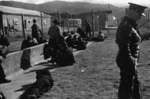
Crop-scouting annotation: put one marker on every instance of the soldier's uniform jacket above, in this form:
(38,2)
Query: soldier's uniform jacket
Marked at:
(128,38)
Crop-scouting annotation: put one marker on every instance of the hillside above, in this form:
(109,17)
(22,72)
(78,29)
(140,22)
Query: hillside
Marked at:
(78,7)
(19,5)
(61,6)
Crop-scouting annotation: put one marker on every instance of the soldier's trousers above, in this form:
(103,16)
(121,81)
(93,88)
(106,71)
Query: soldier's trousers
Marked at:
(129,86)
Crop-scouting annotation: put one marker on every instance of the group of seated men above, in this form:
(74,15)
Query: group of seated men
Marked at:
(61,49)
(59,52)
(74,40)
(29,42)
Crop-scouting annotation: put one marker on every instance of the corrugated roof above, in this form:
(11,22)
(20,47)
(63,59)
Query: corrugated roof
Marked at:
(45,15)
(13,10)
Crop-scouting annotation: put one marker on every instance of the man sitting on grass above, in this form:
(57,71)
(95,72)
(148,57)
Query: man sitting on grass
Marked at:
(43,84)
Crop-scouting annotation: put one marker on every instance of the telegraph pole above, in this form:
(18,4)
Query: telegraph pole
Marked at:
(93,23)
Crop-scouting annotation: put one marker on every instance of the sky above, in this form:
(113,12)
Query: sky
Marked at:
(113,2)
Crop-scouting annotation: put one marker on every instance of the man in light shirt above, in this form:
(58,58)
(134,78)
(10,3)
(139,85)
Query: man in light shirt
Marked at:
(54,33)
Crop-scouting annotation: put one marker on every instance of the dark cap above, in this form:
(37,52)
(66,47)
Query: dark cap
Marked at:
(34,20)
(137,8)
(56,21)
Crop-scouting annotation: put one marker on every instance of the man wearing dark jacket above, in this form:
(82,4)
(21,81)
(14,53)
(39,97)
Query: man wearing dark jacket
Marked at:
(36,32)
(128,39)
(54,33)
(44,83)
(88,29)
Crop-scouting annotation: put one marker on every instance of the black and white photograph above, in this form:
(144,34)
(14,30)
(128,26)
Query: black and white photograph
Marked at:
(74,49)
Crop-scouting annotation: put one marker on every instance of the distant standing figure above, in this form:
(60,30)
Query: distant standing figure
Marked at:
(81,33)
(128,39)
(88,30)
(36,32)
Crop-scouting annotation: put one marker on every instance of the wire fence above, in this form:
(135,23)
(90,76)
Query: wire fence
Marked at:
(145,22)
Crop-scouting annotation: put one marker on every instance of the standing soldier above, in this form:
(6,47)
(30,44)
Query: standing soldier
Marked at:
(128,39)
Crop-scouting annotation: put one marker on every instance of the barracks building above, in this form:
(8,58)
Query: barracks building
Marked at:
(17,21)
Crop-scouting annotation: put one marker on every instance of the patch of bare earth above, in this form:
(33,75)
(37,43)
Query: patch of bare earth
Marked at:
(95,74)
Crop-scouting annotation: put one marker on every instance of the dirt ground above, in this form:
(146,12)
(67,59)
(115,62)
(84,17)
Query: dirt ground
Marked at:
(95,74)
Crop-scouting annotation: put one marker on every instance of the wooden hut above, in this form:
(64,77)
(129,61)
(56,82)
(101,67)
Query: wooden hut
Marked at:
(16,22)
(99,19)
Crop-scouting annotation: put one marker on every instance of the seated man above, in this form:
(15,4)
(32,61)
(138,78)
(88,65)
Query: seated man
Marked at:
(81,45)
(81,33)
(26,43)
(2,75)
(34,42)
(69,41)
(43,84)
(64,55)
(42,40)
(100,37)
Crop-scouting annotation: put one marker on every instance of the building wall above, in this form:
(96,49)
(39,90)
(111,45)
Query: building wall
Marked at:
(12,21)
(102,19)
(99,19)
(12,24)
(46,23)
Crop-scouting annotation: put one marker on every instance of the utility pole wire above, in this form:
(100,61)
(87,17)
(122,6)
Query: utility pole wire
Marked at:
(143,23)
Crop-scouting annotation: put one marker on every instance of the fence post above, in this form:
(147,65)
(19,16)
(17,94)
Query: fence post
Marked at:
(93,23)
(41,21)
(58,17)
(23,29)
(68,20)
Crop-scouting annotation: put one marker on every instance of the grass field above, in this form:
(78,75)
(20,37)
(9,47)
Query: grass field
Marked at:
(95,74)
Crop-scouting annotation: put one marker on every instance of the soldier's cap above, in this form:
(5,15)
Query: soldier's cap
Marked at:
(56,21)
(137,8)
